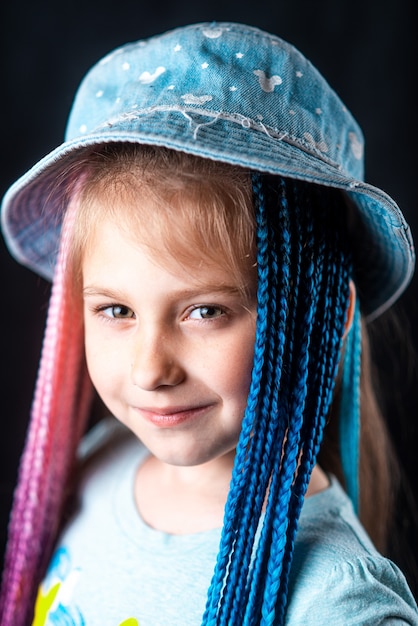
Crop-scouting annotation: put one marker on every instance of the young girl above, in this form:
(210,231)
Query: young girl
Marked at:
(215,259)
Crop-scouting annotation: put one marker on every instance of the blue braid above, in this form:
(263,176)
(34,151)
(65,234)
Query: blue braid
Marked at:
(302,287)
(241,467)
(253,498)
(309,298)
(277,417)
(320,381)
(350,409)
(298,338)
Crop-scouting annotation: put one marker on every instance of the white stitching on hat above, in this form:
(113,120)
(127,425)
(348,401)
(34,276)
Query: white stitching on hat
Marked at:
(199,126)
(307,142)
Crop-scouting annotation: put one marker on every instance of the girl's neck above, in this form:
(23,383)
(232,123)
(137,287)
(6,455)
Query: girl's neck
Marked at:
(186,500)
(183,500)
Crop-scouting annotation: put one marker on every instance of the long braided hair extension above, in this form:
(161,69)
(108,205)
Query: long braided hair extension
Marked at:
(58,417)
(303,291)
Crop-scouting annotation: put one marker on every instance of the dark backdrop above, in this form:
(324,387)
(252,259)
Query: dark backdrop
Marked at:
(365,48)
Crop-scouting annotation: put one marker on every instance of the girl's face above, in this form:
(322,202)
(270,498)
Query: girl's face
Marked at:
(169,347)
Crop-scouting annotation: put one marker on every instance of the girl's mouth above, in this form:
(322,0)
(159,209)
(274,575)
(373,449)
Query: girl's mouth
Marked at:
(172,416)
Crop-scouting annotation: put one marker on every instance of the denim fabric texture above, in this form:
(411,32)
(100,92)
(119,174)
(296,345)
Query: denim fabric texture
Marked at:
(228,92)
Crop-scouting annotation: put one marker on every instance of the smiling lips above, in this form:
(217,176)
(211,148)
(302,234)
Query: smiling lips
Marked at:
(172,416)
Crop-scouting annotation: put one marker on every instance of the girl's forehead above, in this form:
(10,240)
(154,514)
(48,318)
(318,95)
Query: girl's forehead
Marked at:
(175,239)
(115,250)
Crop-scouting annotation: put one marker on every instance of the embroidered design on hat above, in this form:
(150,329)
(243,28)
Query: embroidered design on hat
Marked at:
(357,146)
(212,33)
(189,98)
(146,78)
(267,84)
(319,145)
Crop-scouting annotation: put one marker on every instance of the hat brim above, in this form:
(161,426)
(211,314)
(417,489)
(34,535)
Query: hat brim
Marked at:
(32,207)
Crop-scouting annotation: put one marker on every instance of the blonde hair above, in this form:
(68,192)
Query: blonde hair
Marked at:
(193,207)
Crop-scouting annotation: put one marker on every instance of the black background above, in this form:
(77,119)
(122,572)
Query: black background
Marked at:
(366,49)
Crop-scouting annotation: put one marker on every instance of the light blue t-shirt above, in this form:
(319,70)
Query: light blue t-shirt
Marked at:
(111,569)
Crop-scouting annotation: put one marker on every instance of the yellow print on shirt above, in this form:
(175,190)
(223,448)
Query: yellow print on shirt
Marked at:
(52,603)
(43,604)
(54,596)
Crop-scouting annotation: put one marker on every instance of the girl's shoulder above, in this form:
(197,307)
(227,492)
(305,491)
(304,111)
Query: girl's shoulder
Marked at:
(337,576)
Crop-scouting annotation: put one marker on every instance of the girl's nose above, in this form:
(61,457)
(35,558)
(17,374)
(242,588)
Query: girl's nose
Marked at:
(155,364)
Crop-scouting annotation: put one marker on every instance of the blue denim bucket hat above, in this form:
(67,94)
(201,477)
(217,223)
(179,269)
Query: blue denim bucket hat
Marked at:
(227,92)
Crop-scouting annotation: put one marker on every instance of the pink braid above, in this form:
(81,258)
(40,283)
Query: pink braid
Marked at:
(59,413)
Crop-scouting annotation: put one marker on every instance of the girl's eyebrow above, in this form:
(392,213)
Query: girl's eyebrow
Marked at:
(92,290)
(199,290)
(216,289)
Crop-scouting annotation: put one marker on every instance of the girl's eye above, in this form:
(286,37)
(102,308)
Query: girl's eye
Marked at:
(206,312)
(118,311)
